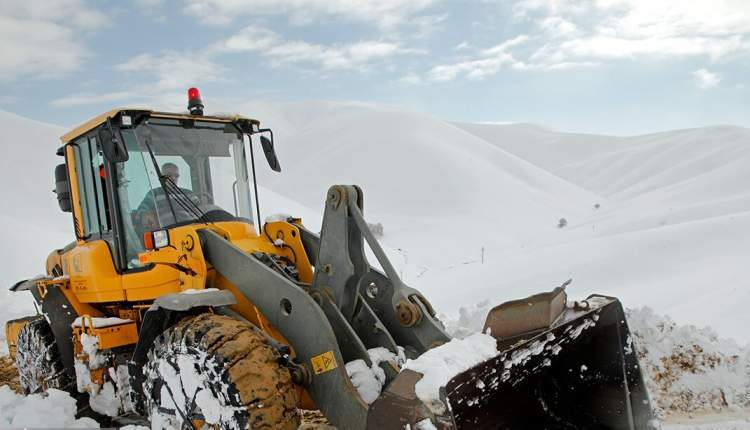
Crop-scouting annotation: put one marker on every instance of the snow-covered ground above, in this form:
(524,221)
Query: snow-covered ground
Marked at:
(471,214)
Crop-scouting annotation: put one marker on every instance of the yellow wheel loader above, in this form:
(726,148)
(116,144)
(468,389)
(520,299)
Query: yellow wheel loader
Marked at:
(176,303)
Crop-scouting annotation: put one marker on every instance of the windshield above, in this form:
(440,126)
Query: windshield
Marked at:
(202,166)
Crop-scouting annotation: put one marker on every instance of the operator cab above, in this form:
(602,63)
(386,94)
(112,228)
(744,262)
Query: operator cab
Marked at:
(140,171)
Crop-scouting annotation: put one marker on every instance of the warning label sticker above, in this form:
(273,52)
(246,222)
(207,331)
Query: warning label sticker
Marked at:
(324,362)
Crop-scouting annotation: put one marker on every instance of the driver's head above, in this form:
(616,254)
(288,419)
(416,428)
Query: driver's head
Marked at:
(171,170)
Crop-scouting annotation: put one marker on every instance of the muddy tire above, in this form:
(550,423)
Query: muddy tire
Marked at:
(216,369)
(38,359)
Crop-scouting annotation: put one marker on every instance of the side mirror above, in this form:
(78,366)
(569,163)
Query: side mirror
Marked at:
(270,152)
(62,188)
(112,145)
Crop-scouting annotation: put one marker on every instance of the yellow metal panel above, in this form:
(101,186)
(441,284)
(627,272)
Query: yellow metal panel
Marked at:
(102,118)
(151,284)
(93,277)
(75,194)
(12,330)
(64,285)
(119,335)
(292,248)
(109,337)
(89,125)
(164,277)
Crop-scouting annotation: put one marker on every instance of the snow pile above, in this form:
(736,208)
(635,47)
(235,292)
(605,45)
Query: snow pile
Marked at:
(689,369)
(369,380)
(425,424)
(470,319)
(55,409)
(93,360)
(440,364)
(90,347)
(726,421)
(107,399)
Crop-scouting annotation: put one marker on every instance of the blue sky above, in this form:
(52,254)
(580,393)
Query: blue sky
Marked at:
(603,66)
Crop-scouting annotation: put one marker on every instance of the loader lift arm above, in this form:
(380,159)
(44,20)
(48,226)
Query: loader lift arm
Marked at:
(349,308)
(362,292)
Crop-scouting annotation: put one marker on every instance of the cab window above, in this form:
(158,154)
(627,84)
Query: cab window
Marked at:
(89,165)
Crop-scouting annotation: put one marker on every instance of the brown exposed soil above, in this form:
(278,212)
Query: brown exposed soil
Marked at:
(314,420)
(9,373)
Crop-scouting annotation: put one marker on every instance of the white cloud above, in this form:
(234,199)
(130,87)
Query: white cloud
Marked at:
(586,33)
(461,46)
(279,51)
(557,26)
(630,29)
(169,73)
(44,39)
(422,27)
(153,9)
(705,80)
(174,70)
(91,99)
(411,78)
(384,13)
(490,62)
(156,79)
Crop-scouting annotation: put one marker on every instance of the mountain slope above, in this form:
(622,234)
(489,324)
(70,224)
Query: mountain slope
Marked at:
(412,165)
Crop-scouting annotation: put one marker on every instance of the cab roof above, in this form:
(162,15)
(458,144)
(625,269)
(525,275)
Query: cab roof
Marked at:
(102,118)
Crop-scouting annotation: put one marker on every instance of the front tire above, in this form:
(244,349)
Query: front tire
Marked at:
(38,360)
(215,369)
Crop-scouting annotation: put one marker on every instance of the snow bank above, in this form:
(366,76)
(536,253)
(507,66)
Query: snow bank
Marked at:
(689,369)
(57,409)
(470,319)
(440,364)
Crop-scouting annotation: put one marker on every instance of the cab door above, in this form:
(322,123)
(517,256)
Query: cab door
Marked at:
(91,264)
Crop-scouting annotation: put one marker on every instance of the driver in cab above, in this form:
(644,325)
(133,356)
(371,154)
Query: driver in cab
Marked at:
(158,204)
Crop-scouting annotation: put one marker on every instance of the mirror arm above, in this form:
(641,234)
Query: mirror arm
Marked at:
(255,182)
(263,130)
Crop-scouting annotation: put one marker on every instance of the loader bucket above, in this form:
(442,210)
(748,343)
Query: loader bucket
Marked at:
(581,372)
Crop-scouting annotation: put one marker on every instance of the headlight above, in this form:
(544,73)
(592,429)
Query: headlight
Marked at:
(161,239)
(155,239)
